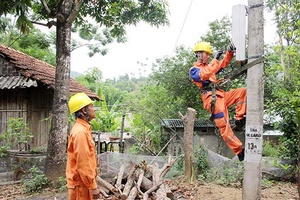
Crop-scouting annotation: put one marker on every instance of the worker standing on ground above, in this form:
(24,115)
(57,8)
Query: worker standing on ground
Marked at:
(81,169)
(215,100)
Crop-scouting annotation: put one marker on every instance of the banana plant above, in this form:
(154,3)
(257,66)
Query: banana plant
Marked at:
(107,120)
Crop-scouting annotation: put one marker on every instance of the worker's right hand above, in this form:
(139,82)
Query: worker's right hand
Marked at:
(231,47)
(95,193)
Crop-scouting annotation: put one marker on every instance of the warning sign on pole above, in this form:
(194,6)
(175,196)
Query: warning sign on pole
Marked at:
(253,146)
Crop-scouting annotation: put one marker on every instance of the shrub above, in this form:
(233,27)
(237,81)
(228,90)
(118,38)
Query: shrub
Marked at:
(36,182)
(269,149)
(17,136)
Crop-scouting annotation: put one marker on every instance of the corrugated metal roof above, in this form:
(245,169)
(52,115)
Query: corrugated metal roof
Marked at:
(12,82)
(39,70)
(177,123)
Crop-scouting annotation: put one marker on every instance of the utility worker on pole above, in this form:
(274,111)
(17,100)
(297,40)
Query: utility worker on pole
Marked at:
(215,100)
(81,171)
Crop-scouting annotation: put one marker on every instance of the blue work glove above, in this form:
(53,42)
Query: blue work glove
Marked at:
(218,54)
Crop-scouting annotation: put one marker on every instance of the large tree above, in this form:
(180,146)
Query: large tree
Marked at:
(283,80)
(67,14)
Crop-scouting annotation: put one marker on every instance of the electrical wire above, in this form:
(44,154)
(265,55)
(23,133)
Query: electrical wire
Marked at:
(182,27)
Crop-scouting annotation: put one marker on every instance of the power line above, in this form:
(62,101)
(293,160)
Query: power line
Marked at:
(182,26)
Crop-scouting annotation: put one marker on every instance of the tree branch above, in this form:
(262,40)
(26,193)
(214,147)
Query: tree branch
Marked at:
(74,12)
(49,24)
(44,3)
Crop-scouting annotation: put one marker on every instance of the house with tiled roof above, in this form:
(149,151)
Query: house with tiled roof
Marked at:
(26,91)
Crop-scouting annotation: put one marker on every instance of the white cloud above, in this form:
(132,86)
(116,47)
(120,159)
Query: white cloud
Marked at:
(145,43)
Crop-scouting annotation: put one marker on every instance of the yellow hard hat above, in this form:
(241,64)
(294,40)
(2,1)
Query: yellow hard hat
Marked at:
(203,46)
(78,101)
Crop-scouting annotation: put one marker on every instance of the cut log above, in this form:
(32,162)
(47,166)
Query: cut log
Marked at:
(133,193)
(161,193)
(108,186)
(137,185)
(168,191)
(103,188)
(146,183)
(120,176)
(103,192)
(129,183)
(140,180)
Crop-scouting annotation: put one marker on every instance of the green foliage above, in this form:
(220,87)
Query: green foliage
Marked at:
(147,132)
(218,33)
(17,136)
(289,148)
(269,149)
(35,43)
(135,149)
(171,74)
(267,183)
(201,161)
(123,83)
(91,79)
(62,184)
(229,173)
(106,120)
(110,17)
(36,182)
(179,165)
(282,75)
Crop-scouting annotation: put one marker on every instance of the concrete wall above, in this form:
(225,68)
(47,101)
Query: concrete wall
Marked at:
(205,137)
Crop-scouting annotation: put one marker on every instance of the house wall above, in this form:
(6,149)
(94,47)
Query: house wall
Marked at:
(40,105)
(31,104)
(13,104)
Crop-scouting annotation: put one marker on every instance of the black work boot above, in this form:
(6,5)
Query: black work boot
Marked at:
(241,155)
(239,124)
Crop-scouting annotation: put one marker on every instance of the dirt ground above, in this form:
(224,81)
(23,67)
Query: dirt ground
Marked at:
(275,191)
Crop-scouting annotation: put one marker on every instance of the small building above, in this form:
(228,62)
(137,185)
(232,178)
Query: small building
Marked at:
(26,91)
(205,134)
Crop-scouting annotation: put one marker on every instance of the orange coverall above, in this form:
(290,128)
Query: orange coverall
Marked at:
(204,74)
(81,168)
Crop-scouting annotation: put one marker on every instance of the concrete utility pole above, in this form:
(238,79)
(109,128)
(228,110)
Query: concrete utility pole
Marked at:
(255,103)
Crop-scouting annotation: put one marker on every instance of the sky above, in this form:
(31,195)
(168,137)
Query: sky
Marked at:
(189,21)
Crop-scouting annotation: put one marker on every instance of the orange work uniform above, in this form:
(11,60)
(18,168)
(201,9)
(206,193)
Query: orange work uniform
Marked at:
(81,168)
(204,74)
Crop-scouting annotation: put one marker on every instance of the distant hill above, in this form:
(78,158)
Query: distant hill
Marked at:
(75,74)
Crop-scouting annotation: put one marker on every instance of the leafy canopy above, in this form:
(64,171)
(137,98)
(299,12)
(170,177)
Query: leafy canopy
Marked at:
(98,21)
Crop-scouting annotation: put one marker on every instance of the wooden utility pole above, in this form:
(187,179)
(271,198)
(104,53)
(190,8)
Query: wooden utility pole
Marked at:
(255,103)
(188,123)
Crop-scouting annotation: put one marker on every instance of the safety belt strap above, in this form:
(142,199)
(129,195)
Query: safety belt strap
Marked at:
(213,101)
(240,70)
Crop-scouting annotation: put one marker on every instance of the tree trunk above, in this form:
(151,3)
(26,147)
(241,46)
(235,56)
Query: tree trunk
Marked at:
(188,122)
(56,152)
(255,104)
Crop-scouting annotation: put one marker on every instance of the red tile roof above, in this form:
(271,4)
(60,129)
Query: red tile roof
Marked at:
(39,70)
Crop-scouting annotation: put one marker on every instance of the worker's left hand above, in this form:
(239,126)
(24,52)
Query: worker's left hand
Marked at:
(218,54)
(95,193)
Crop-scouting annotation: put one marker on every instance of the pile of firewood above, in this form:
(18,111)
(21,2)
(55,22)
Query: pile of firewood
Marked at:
(144,181)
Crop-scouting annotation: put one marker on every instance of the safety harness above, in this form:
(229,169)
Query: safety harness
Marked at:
(214,86)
